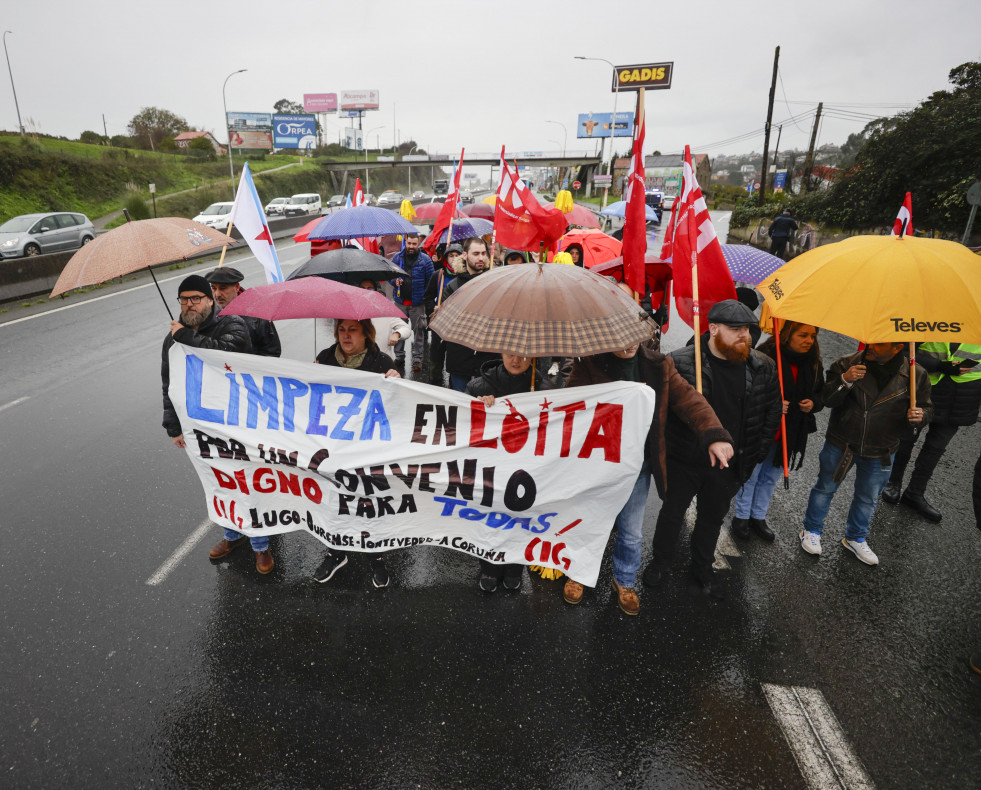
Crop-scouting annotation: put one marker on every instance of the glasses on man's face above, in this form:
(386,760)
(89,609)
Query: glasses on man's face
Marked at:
(190,299)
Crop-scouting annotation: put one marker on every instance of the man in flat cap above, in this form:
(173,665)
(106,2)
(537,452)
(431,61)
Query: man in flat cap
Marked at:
(741,386)
(201,327)
(225,286)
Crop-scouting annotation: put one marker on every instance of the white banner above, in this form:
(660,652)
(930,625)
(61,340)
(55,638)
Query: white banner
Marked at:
(366,463)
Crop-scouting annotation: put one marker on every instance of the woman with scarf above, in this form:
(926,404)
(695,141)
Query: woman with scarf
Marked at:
(355,348)
(803,378)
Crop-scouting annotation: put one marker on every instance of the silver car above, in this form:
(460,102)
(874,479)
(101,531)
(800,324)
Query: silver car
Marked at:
(38,234)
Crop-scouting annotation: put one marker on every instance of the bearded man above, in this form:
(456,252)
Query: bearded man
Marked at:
(741,386)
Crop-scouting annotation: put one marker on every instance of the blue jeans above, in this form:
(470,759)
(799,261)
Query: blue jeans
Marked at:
(459,383)
(870,478)
(753,499)
(260,543)
(630,529)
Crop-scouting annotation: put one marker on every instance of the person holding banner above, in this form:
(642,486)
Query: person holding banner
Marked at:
(803,380)
(200,327)
(499,378)
(464,363)
(741,386)
(355,348)
(647,365)
(225,286)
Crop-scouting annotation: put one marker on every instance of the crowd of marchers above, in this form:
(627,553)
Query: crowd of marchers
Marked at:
(734,440)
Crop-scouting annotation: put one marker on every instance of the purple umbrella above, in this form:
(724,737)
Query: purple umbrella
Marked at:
(359,221)
(468,228)
(748,264)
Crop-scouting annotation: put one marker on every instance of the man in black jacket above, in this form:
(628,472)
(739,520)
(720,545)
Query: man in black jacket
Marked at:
(741,386)
(225,286)
(200,327)
(781,230)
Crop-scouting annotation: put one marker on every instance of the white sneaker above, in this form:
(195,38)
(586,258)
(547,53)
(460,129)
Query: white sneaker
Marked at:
(860,549)
(810,542)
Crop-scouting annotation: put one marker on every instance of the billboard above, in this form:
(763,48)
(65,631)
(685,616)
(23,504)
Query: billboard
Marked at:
(353,139)
(780,182)
(294,131)
(653,76)
(597,124)
(359,100)
(320,102)
(250,129)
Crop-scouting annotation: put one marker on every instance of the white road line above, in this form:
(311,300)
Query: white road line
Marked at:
(822,751)
(180,553)
(15,402)
(724,546)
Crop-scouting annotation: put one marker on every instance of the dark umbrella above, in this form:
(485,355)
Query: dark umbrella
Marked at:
(360,221)
(657,272)
(311,297)
(348,264)
(467,229)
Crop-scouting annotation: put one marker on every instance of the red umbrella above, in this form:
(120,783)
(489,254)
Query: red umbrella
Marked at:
(657,271)
(311,297)
(579,216)
(481,210)
(597,247)
(304,232)
(429,211)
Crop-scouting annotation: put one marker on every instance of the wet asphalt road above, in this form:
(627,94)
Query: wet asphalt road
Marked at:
(218,677)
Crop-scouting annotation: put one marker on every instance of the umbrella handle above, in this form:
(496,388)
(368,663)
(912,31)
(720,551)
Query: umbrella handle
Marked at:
(160,292)
(783,417)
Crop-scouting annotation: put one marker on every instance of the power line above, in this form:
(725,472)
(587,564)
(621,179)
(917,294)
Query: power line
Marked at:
(784,91)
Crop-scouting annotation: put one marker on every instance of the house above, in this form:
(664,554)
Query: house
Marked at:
(664,172)
(184,138)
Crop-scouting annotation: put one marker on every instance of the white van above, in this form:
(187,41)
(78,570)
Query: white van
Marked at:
(216,216)
(305,203)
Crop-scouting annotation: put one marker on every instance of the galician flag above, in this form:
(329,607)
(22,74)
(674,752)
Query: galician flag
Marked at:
(635,217)
(249,218)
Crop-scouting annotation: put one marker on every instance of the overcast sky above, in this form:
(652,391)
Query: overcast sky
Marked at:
(482,74)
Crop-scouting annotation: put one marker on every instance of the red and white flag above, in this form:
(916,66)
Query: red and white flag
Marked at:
(903,226)
(520,221)
(445,217)
(667,247)
(357,199)
(696,248)
(635,216)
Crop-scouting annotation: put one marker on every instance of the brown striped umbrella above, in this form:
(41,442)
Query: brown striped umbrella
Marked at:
(542,309)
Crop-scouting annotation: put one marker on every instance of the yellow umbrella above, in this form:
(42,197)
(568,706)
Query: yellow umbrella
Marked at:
(490,200)
(881,289)
(407,211)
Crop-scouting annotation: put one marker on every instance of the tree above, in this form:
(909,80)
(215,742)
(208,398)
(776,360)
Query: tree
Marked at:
(92,138)
(287,107)
(151,124)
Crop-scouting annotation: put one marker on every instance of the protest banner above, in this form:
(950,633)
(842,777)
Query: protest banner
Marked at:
(366,463)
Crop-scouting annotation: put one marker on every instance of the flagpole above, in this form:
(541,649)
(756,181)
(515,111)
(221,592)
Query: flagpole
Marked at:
(228,232)
(641,120)
(696,310)
(783,416)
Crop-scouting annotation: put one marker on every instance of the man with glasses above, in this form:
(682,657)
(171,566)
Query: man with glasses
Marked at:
(200,327)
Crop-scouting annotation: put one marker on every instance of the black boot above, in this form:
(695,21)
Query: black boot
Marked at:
(918,503)
(761,528)
(890,493)
(740,528)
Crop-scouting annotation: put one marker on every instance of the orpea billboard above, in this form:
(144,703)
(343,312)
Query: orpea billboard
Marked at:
(294,131)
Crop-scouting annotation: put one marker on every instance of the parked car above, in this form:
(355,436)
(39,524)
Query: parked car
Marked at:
(390,198)
(335,200)
(276,205)
(304,203)
(34,234)
(418,194)
(370,200)
(216,216)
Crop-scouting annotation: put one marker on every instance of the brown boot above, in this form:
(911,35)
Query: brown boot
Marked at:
(224,547)
(627,598)
(572,592)
(264,561)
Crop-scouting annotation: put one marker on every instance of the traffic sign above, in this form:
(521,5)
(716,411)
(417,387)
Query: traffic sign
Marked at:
(576,185)
(974,194)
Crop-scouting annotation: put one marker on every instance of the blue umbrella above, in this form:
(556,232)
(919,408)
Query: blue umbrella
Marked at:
(619,209)
(748,264)
(358,221)
(468,228)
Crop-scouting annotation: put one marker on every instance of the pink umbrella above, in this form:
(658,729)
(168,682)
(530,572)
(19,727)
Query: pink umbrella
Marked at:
(480,210)
(312,297)
(579,216)
(429,211)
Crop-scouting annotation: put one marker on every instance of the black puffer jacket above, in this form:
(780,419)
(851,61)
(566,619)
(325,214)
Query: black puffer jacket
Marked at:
(954,403)
(460,360)
(265,338)
(375,361)
(495,380)
(228,333)
(761,415)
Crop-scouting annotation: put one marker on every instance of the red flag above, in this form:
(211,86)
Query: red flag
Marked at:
(358,194)
(445,216)
(635,220)
(520,221)
(668,245)
(695,240)
(357,199)
(903,226)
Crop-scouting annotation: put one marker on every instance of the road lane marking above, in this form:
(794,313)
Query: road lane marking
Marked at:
(724,546)
(15,402)
(819,744)
(180,553)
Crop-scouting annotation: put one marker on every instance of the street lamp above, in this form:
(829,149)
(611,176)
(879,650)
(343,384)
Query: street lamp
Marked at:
(564,137)
(613,124)
(11,73)
(367,178)
(554,174)
(231,167)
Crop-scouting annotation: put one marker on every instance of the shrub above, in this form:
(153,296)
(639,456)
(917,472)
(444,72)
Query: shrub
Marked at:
(137,208)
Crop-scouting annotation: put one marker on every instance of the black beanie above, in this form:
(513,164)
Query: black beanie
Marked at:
(195,282)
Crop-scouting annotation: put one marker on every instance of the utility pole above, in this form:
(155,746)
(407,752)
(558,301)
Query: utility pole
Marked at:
(805,183)
(766,135)
(105,130)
